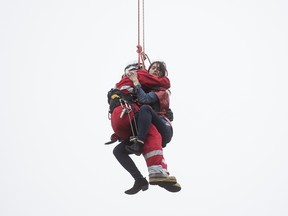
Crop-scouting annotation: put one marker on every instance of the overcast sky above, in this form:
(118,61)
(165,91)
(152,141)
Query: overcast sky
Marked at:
(228,66)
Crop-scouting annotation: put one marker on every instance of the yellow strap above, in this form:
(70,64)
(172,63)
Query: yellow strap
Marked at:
(115,96)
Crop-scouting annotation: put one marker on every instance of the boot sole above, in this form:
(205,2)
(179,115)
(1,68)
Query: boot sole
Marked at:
(158,181)
(171,187)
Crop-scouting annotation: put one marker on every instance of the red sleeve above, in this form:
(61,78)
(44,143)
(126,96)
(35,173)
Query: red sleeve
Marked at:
(149,81)
(146,80)
(125,81)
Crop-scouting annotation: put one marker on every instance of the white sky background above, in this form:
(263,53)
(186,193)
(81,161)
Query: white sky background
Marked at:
(228,64)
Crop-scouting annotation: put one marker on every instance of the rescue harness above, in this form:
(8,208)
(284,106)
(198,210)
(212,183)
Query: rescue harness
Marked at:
(117,98)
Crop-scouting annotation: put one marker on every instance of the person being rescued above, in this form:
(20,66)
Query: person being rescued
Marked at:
(154,109)
(123,106)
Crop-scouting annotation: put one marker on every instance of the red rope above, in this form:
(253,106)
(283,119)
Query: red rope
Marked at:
(140,50)
(143,26)
(139,23)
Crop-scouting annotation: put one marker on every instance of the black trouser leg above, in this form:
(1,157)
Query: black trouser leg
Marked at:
(122,155)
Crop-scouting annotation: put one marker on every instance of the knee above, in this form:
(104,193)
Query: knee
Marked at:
(119,149)
(145,108)
(116,151)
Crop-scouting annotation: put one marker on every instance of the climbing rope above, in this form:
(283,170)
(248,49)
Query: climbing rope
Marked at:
(142,56)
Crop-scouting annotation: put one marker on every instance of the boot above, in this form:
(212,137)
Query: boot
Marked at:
(161,178)
(139,184)
(136,147)
(171,187)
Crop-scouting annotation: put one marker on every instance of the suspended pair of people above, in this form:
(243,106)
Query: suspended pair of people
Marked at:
(141,120)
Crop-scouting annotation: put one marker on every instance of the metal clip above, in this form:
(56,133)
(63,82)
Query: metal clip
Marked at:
(123,112)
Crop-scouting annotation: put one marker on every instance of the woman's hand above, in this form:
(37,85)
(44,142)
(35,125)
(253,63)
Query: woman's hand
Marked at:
(132,75)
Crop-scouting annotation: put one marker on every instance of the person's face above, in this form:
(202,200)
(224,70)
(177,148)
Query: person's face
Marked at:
(155,70)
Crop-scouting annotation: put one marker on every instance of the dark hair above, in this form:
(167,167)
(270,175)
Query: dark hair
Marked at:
(163,68)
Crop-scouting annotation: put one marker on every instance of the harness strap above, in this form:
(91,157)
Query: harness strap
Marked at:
(117,98)
(127,109)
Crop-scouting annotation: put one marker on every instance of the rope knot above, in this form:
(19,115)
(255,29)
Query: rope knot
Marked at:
(139,49)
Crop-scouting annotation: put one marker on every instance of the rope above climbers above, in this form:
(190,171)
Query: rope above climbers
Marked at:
(141,48)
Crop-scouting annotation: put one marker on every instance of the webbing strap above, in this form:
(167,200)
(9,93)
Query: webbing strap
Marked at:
(127,109)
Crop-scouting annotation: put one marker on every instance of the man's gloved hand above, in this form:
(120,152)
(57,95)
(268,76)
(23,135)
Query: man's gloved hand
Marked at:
(113,138)
(169,114)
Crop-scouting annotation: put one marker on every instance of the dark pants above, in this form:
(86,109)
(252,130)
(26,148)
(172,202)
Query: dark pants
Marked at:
(123,157)
(146,116)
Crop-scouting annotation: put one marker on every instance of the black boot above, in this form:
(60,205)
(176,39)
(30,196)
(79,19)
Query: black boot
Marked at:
(135,148)
(139,184)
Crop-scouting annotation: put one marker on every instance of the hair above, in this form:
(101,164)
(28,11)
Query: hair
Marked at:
(163,68)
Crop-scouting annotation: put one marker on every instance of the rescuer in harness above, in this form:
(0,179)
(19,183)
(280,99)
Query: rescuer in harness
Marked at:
(123,106)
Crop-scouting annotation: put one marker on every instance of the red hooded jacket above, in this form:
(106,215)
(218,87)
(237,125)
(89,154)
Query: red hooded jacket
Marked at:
(148,81)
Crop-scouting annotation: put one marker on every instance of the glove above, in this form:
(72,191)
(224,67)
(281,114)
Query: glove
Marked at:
(169,115)
(113,138)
